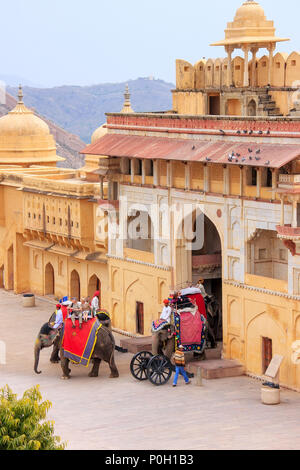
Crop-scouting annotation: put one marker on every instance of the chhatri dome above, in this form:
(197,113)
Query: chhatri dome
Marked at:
(25,139)
(249,26)
(102,130)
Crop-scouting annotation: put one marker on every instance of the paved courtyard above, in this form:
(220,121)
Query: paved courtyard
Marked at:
(114,414)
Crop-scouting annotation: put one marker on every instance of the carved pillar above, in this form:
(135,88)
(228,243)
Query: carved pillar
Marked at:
(271,49)
(187,176)
(246,65)
(229,50)
(282,212)
(226,182)
(295,218)
(155,172)
(206,178)
(254,51)
(132,168)
(258,185)
(169,174)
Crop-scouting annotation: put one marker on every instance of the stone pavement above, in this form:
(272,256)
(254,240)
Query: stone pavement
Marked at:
(113,414)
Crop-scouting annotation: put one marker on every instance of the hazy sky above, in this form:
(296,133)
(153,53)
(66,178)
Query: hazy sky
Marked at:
(83,42)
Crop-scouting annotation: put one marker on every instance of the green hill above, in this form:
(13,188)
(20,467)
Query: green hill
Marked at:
(80,110)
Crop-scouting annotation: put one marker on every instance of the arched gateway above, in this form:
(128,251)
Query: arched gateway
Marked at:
(199,254)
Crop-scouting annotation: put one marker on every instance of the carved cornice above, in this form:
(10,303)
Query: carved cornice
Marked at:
(261,290)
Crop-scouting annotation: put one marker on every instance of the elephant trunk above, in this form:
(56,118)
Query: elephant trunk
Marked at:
(37,349)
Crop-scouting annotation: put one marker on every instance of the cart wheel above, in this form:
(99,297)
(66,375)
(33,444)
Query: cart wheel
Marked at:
(139,363)
(159,370)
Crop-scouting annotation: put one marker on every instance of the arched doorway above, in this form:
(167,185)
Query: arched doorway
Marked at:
(10,268)
(75,285)
(49,280)
(252,108)
(94,285)
(199,256)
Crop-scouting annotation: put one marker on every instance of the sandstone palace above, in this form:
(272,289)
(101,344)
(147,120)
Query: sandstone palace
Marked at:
(226,158)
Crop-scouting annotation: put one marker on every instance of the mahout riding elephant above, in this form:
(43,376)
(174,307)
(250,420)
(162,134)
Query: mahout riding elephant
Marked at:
(103,350)
(46,338)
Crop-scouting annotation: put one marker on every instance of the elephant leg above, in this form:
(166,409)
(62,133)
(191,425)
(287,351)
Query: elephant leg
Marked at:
(54,356)
(95,370)
(114,373)
(211,336)
(64,362)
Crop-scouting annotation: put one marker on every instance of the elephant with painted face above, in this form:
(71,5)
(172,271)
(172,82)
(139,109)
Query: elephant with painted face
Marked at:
(103,350)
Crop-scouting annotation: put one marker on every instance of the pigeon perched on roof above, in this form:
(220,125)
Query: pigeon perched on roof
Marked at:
(260,132)
(221,130)
(250,150)
(238,132)
(267,163)
(258,152)
(245,131)
(250,132)
(208,159)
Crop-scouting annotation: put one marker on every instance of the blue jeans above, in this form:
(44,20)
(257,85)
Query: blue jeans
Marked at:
(180,370)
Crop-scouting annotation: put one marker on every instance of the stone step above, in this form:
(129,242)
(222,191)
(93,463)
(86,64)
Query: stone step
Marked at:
(214,353)
(135,345)
(217,368)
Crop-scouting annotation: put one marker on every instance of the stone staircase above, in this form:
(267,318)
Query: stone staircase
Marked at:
(268,105)
(214,367)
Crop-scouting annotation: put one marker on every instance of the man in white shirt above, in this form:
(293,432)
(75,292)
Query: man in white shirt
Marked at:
(166,312)
(59,318)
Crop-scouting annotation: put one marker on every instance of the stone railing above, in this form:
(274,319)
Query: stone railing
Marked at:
(289,179)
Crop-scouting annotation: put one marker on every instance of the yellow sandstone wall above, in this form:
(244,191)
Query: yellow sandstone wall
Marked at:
(133,282)
(250,315)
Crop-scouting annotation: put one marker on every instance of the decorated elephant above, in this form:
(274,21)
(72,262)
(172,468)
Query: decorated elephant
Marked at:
(187,318)
(103,349)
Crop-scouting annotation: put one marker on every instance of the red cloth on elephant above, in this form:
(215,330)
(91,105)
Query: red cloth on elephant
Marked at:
(200,303)
(64,310)
(190,328)
(78,344)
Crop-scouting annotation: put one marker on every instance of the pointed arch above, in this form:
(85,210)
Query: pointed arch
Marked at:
(49,280)
(75,284)
(93,286)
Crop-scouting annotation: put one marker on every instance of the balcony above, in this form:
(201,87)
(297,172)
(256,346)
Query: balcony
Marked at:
(288,232)
(289,179)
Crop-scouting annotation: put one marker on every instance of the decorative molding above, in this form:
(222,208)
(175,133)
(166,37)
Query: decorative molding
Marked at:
(261,290)
(134,261)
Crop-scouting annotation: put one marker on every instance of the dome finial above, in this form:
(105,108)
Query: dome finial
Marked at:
(20,94)
(127,105)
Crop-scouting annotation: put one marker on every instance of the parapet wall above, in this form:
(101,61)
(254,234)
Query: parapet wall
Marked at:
(213,73)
